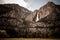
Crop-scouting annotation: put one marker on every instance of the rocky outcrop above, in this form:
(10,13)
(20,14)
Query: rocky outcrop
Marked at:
(20,22)
(12,17)
(46,20)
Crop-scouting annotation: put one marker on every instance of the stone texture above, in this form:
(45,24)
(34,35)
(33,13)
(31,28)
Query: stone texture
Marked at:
(18,21)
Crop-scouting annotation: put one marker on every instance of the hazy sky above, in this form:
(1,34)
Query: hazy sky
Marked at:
(36,4)
(30,4)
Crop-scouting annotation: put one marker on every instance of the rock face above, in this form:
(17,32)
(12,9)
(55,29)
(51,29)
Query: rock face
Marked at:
(20,22)
(47,20)
(12,17)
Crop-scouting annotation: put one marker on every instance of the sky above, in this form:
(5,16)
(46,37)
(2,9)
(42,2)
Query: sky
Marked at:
(36,4)
(20,2)
(30,4)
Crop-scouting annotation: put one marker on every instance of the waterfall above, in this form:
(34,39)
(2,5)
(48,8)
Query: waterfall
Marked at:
(37,18)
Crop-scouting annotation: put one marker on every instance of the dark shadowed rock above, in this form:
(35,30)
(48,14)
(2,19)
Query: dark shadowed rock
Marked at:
(12,17)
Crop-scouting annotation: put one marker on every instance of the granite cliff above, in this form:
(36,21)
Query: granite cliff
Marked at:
(18,21)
